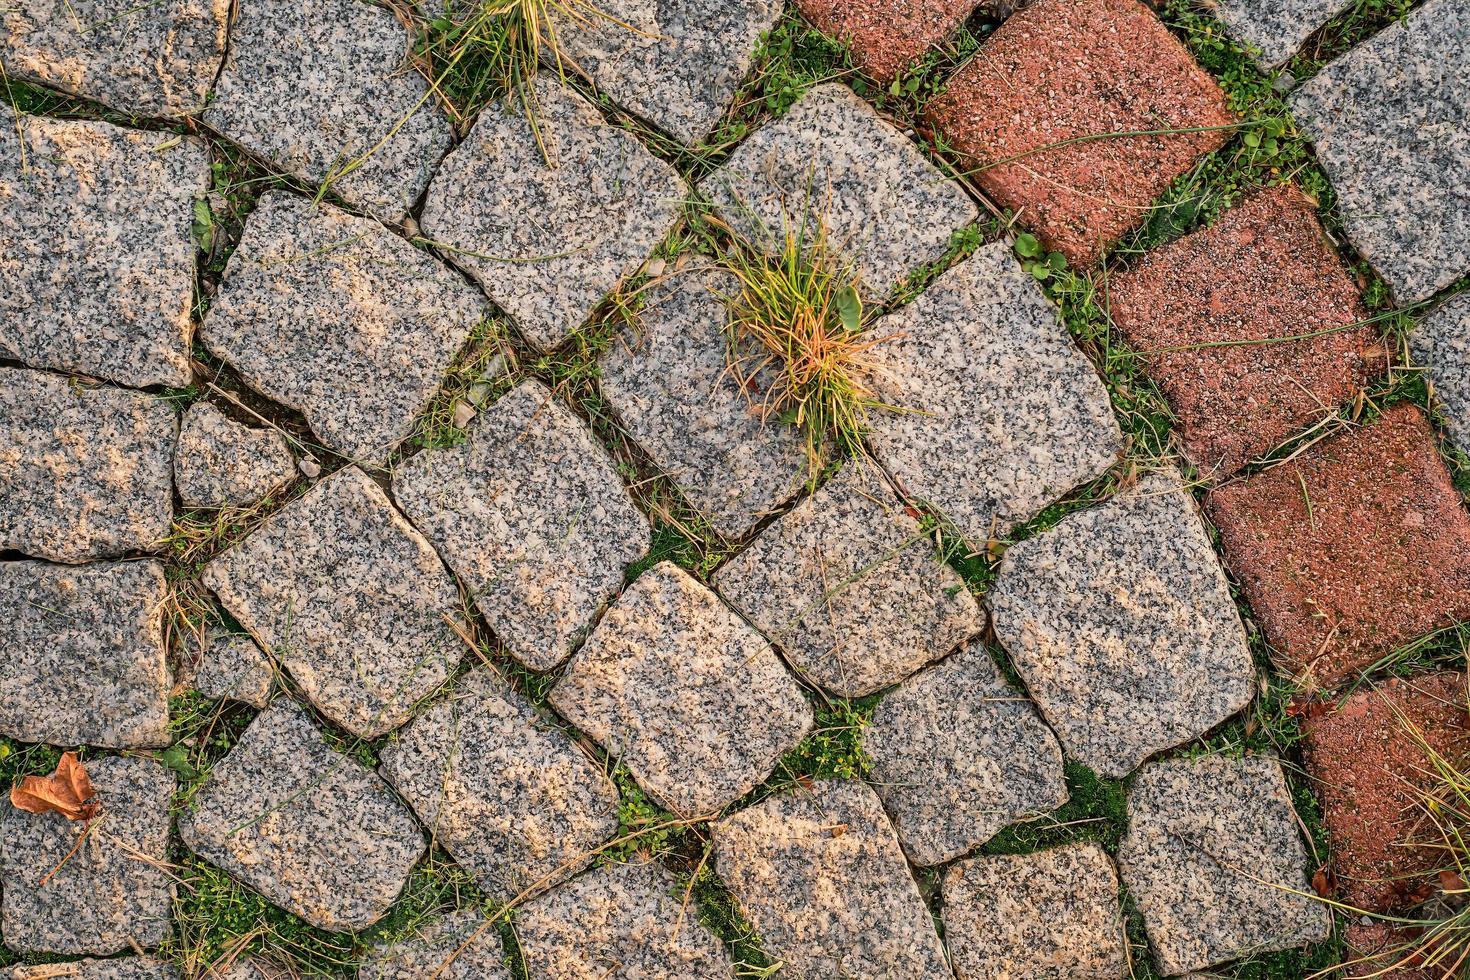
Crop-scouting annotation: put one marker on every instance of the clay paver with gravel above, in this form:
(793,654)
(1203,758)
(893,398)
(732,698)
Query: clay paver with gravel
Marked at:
(1215,862)
(123,968)
(958,753)
(1388,123)
(677,687)
(832,159)
(501,788)
(114,892)
(96,254)
(848,586)
(1002,414)
(307,827)
(223,463)
(1441,346)
(234,667)
(1052,915)
(886,37)
(1065,70)
(462,945)
(350,599)
(821,877)
(1276,29)
(531,514)
(337,317)
(1356,547)
(550,220)
(1208,314)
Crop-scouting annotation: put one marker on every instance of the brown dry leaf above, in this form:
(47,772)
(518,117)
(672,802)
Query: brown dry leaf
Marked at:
(68,791)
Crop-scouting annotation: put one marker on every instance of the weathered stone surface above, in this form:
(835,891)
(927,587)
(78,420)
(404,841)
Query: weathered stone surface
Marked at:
(309,828)
(832,159)
(1441,345)
(887,36)
(958,754)
(96,253)
(501,788)
(222,463)
(321,89)
(1121,623)
(349,598)
(822,878)
(669,383)
(125,968)
(1053,915)
(676,65)
(340,319)
(1276,28)
(251,968)
(84,662)
(1389,127)
(531,514)
(623,920)
(1213,858)
(107,894)
(234,667)
(683,692)
(459,946)
(550,220)
(1002,414)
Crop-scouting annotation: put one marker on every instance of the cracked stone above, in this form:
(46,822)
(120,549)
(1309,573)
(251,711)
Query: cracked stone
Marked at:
(234,667)
(886,37)
(1276,28)
(1441,345)
(221,463)
(459,946)
(123,968)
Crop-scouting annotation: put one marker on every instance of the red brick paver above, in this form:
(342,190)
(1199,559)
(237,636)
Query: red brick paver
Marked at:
(887,35)
(1262,272)
(1063,69)
(1375,951)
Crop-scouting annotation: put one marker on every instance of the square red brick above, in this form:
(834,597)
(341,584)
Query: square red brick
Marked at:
(886,36)
(1379,951)
(1371,771)
(1351,550)
(1064,69)
(1263,271)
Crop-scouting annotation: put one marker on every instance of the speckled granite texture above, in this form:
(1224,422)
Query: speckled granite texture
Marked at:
(849,588)
(678,688)
(532,515)
(337,317)
(501,788)
(626,920)
(821,877)
(96,254)
(1215,862)
(1441,345)
(234,667)
(322,89)
(458,946)
(1121,623)
(85,472)
(550,226)
(222,463)
(833,159)
(349,598)
(252,968)
(958,754)
(1276,28)
(1052,915)
(669,385)
(307,827)
(1003,415)
(115,892)
(124,968)
(84,660)
(1389,125)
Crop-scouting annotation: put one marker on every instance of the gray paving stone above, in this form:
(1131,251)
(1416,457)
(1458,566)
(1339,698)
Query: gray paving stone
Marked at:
(531,514)
(234,667)
(85,662)
(821,877)
(1276,28)
(668,383)
(251,968)
(675,64)
(459,946)
(349,598)
(1003,414)
(309,828)
(958,754)
(1215,863)
(223,463)
(96,253)
(1053,915)
(501,788)
(124,968)
(625,920)
(1388,123)
(548,240)
(682,691)
(85,472)
(112,892)
(337,317)
(831,158)
(849,588)
(1441,346)
(1120,622)
(318,86)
